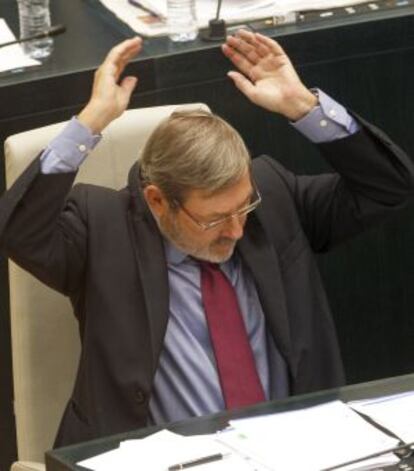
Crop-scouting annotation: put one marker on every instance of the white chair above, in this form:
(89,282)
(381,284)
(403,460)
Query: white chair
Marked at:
(45,342)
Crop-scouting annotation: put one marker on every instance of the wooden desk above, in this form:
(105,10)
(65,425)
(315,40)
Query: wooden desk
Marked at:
(366,62)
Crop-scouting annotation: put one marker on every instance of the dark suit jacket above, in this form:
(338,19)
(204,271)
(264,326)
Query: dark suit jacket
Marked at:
(102,248)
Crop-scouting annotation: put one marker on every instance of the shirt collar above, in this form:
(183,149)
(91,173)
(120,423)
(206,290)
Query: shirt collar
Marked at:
(173,255)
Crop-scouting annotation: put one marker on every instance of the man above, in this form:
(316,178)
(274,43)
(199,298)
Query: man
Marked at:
(141,265)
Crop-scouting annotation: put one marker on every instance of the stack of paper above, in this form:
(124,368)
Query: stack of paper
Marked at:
(311,439)
(233,11)
(251,9)
(164,449)
(12,57)
(395,413)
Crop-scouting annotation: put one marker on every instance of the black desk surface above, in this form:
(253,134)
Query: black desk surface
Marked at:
(65,459)
(64,80)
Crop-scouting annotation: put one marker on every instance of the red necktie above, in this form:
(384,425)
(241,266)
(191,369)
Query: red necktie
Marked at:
(240,382)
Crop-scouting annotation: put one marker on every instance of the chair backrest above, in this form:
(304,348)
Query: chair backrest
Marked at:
(45,341)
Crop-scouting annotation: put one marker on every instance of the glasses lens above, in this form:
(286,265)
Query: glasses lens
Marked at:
(240,213)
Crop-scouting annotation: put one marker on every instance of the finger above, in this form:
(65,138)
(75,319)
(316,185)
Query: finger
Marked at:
(243,64)
(108,74)
(126,88)
(121,54)
(244,48)
(117,53)
(243,84)
(129,52)
(124,48)
(131,49)
(272,45)
(128,85)
(261,49)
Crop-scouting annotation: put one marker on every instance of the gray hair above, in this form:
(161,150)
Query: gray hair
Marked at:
(193,150)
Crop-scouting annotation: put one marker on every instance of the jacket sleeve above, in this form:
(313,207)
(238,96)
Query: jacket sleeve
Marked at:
(43,230)
(372,178)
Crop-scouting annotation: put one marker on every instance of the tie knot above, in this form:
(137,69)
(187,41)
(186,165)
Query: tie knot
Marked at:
(208,266)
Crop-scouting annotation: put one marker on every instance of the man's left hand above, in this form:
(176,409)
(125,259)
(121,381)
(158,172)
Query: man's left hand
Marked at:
(267,77)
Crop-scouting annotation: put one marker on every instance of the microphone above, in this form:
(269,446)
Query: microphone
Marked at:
(216,27)
(52,31)
(404,451)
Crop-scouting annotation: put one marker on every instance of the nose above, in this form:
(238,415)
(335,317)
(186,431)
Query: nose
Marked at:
(234,227)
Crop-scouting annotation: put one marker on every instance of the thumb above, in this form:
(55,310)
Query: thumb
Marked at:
(128,85)
(243,84)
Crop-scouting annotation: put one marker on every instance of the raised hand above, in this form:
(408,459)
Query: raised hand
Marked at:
(110,98)
(267,77)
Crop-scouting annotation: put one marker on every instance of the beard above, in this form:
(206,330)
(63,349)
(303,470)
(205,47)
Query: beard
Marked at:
(219,250)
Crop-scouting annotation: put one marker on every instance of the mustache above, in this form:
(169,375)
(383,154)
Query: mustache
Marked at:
(225,241)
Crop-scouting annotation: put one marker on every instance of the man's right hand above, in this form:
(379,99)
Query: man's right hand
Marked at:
(109,98)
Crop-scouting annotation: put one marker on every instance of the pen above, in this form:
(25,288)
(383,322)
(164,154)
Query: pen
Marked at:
(197,462)
(143,7)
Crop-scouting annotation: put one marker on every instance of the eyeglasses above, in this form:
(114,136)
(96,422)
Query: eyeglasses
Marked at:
(205,226)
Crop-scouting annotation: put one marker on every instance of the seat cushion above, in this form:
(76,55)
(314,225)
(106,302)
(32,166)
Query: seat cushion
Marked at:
(27,466)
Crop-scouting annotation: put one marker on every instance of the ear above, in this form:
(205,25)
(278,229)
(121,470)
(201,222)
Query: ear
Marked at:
(156,200)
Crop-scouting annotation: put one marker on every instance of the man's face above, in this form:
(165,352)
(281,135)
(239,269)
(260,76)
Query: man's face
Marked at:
(216,244)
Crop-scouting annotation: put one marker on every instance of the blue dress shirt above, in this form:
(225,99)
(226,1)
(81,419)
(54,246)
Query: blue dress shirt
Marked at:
(186,382)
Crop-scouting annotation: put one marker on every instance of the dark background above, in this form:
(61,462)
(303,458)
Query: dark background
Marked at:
(366,62)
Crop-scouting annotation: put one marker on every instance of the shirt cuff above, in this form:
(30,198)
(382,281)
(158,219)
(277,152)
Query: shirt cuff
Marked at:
(68,150)
(326,122)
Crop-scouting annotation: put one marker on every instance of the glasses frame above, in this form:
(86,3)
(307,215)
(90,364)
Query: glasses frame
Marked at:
(205,226)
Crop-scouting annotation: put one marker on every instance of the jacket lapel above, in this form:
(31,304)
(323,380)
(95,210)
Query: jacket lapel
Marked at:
(263,262)
(152,266)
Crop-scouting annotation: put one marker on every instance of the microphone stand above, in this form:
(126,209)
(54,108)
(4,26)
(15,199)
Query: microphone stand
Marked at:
(216,27)
(53,31)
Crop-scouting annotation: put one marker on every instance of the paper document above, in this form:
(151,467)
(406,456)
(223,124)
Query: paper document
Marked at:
(395,413)
(144,23)
(12,57)
(233,11)
(164,449)
(310,439)
(251,9)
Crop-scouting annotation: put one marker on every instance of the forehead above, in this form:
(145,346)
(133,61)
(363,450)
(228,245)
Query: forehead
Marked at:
(222,202)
